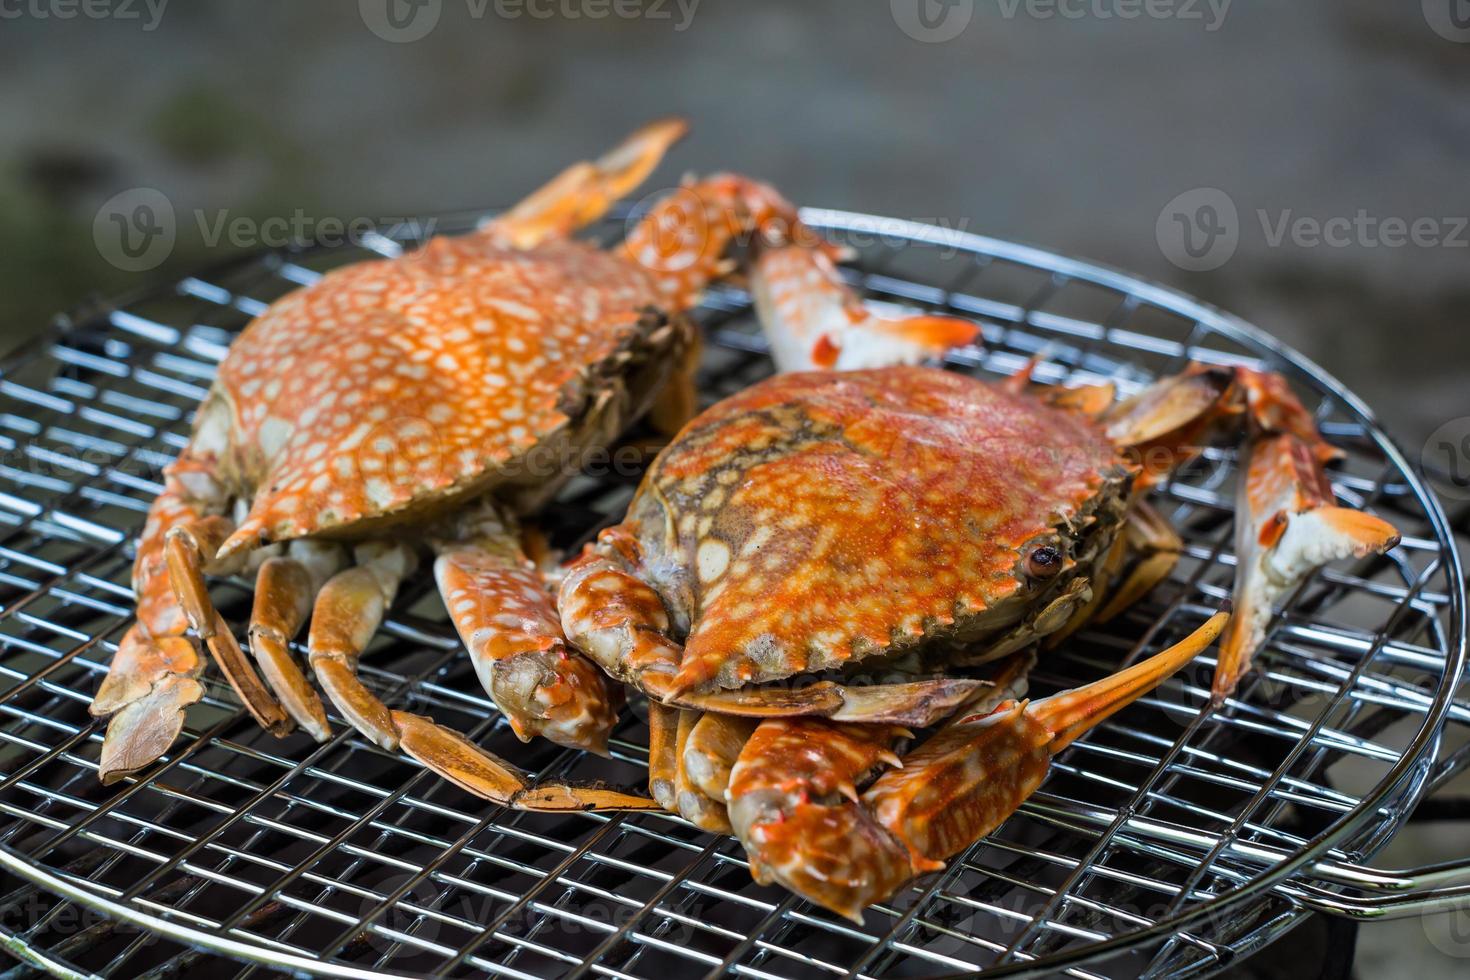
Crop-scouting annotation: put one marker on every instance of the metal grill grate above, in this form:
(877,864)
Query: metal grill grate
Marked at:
(1168,842)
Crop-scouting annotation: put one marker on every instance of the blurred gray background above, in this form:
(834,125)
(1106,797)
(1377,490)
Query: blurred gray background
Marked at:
(1068,124)
(1058,122)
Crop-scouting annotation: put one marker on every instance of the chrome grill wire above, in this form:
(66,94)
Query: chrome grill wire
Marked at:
(1167,842)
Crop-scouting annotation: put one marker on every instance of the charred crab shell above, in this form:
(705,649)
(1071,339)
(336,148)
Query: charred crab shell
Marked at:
(817,520)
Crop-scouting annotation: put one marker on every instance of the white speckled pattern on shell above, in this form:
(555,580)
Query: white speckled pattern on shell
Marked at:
(387,382)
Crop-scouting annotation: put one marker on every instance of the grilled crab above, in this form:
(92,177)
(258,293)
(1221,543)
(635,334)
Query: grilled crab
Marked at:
(413,405)
(824,522)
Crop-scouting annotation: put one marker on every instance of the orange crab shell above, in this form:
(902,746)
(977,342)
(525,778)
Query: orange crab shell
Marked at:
(819,518)
(391,385)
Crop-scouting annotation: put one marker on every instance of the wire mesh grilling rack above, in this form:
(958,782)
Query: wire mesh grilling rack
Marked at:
(1168,843)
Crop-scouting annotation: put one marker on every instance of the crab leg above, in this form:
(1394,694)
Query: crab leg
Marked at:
(943,801)
(663,754)
(348,610)
(714,745)
(584,191)
(1273,408)
(1286,525)
(1284,489)
(506,616)
(1147,534)
(706,754)
(189,548)
(285,587)
(155,674)
(814,321)
(845,852)
(684,240)
(705,811)
(1167,423)
(347,613)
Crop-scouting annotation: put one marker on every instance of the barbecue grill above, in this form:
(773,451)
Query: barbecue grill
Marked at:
(1172,841)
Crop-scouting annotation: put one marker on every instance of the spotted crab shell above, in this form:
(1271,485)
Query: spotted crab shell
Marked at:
(389,386)
(814,520)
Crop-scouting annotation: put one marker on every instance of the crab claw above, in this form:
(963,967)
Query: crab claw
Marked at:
(974,773)
(813,320)
(1274,408)
(620,622)
(584,191)
(1287,526)
(792,804)
(556,695)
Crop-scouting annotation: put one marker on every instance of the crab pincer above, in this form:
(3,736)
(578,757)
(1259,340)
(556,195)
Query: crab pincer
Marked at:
(793,802)
(1287,524)
(813,320)
(845,850)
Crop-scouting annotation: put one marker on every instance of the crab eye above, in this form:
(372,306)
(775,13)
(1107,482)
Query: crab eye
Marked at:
(1043,562)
